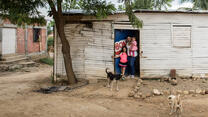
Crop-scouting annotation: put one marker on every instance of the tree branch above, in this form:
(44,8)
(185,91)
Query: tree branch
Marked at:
(52,6)
(59,6)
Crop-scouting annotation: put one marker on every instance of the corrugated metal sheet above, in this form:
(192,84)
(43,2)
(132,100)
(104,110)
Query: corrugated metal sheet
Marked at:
(82,12)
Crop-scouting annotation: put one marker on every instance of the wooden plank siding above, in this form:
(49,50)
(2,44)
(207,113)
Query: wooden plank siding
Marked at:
(92,48)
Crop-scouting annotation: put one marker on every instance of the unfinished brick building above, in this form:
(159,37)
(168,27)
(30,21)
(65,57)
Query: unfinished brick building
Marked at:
(20,42)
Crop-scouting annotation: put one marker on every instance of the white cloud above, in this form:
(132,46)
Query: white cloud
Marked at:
(176,4)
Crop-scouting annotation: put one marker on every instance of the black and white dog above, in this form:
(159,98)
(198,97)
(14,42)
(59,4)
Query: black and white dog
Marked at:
(112,77)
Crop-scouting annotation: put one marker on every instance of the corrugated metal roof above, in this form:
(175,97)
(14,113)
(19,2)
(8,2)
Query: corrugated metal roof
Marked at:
(82,12)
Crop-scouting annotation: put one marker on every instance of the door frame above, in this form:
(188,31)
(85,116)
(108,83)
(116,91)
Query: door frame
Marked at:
(125,25)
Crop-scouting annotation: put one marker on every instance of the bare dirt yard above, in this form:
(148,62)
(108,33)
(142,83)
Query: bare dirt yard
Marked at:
(18,99)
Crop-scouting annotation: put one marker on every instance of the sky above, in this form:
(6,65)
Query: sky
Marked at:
(175,5)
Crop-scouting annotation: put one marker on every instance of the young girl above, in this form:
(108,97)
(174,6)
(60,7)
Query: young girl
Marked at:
(133,44)
(123,61)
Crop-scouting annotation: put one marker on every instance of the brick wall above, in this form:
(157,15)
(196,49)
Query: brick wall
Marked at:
(43,35)
(20,41)
(33,47)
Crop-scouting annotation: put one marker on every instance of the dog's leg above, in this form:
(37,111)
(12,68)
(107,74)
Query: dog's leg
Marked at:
(111,85)
(180,109)
(172,108)
(108,82)
(178,112)
(117,85)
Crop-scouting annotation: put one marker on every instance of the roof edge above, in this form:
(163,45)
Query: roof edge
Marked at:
(82,12)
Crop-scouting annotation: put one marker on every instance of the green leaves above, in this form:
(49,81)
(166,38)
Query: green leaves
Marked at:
(151,4)
(99,8)
(143,4)
(198,4)
(22,12)
(136,22)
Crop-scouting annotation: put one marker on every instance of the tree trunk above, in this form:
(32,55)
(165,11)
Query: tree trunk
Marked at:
(65,50)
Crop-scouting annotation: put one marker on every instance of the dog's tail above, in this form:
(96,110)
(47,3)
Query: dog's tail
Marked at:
(106,70)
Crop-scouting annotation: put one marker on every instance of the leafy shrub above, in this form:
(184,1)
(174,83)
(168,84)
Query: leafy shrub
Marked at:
(47,60)
(50,41)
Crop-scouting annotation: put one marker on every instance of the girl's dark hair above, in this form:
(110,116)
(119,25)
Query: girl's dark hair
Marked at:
(123,48)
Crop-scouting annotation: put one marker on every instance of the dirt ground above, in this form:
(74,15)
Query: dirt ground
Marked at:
(17,99)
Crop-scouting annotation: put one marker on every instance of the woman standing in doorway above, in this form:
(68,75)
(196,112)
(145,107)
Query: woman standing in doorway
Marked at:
(131,57)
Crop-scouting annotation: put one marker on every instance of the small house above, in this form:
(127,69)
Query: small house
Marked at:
(20,42)
(168,40)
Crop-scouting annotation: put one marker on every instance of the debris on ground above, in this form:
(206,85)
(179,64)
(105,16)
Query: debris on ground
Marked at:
(148,88)
(52,89)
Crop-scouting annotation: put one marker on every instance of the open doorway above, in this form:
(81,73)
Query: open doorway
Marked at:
(119,42)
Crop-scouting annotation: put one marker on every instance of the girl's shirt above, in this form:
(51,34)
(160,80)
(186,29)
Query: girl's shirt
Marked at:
(123,57)
(129,52)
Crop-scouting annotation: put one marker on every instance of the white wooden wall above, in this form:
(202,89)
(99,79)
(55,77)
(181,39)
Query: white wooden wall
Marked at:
(159,54)
(92,48)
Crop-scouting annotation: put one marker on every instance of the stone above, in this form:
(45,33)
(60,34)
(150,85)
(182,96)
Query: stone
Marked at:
(140,80)
(149,94)
(202,92)
(156,92)
(131,94)
(26,70)
(185,92)
(173,82)
(198,91)
(135,90)
(206,91)
(137,96)
(179,92)
(166,92)
(139,93)
(204,81)
(13,67)
(143,96)
(191,91)
(139,84)
(194,95)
